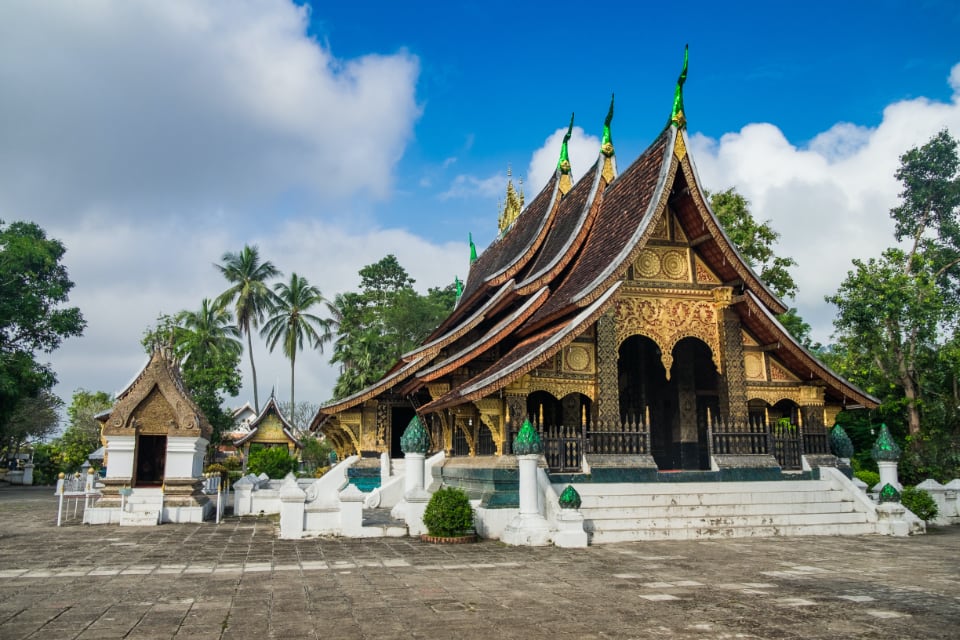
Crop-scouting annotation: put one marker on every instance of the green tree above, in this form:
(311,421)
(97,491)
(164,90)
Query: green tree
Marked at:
(34,418)
(898,314)
(292,324)
(276,462)
(755,241)
(82,435)
(381,322)
(249,294)
(300,415)
(34,289)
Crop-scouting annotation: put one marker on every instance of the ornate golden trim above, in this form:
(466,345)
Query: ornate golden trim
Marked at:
(680,147)
(667,320)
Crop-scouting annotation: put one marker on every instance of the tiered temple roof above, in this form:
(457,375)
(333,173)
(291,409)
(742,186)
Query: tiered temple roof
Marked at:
(558,267)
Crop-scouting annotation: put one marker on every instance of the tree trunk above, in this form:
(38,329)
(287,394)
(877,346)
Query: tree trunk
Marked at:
(293,407)
(253,371)
(913,413)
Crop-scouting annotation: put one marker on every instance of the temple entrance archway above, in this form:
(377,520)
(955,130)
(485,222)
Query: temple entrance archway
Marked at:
(674,411)
(400,417)
(151,460)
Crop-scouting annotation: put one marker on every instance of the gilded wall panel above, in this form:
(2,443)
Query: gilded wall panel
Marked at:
(754,366)
(579,358)
(749,341)
(703,273)
(779,374)
(666,321)
(671,264)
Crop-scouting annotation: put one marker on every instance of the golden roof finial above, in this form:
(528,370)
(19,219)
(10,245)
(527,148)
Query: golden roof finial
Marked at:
(512,204)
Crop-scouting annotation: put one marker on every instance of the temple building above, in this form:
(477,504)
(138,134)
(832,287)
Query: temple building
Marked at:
(269,429)
(617,316)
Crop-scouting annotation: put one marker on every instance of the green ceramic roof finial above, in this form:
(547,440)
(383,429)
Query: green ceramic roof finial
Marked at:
(840,443)
(564,163)
(889,493)
(885,449)
(473,250)
(527,441)
(677,116)
(570,498)
(459,287)
(606,143)
(415,438)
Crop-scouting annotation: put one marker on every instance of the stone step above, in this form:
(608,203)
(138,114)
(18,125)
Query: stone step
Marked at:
(139,518)
(743,509)
(691,533)
(759,521)
(674,488)
(640,500)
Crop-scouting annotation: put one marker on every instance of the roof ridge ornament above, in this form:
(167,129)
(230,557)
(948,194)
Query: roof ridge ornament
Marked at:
(473,249)
(512,206)
(606,143)
(563,164)
(678,118)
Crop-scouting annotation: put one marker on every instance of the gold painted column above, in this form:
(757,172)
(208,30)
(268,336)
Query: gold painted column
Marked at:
(608,377)
(733,381)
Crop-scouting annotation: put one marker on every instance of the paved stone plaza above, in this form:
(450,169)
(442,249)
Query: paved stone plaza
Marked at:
(237,580)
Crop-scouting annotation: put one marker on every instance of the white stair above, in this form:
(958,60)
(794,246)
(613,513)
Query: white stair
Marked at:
(688,511)
(396,467)
(142,508)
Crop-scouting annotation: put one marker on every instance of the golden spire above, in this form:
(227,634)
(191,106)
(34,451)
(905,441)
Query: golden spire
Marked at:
(511,207)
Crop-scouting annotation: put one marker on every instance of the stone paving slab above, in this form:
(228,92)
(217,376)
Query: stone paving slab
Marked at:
(237,580)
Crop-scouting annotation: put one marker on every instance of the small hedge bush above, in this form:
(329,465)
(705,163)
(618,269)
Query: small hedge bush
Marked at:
(273,461)
(870,477)
(920,502)
(449,514)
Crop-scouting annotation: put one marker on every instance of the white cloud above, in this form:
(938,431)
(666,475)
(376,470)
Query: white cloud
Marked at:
(466,186)
(830,200)
(582,148)
(157,106)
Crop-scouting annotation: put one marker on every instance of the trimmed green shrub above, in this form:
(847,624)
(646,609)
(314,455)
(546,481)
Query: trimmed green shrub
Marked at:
(273,461)
(920,502)
(232,463)
(448,514)
(870,477)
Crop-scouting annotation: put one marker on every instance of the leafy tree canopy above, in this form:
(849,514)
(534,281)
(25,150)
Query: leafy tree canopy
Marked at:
(34,318)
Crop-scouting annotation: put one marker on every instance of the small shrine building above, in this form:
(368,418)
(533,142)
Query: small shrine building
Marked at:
(269,429)
(615,314)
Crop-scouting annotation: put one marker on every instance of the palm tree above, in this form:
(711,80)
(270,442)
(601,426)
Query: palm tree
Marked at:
(249,294)
(292,324)
(212,329)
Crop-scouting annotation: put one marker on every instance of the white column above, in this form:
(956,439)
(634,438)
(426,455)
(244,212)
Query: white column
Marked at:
(120,450)
(415,497)
(184,457)
(528,528)
(888,475)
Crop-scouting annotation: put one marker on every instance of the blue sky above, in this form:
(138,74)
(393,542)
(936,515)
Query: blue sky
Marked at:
(152,137)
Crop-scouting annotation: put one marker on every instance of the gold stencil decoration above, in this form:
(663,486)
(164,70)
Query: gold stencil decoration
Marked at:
(648,264)
(660,230)
(830,415)
(704,274)
(674,265)
(773,395)
(680,148)
(577,358)
(663,263)
(753,366)
(779,374)
(607,172)
(666,321)
(678,234)
(748,340)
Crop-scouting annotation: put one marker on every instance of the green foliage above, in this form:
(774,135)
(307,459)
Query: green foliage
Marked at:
(448,514)
(82,435)
(249,294)
(871,478)
(291,322)
(384,320)
(898,314)
(920,503)
(46,464)
(755,241)
(231,463)
(34,287)
(35,417)
(276,462)
(217,468)
(315,453)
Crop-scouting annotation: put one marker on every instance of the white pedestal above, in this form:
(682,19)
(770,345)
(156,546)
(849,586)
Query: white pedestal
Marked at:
(292,499)
(888,475)
(528,528)
(120,451)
